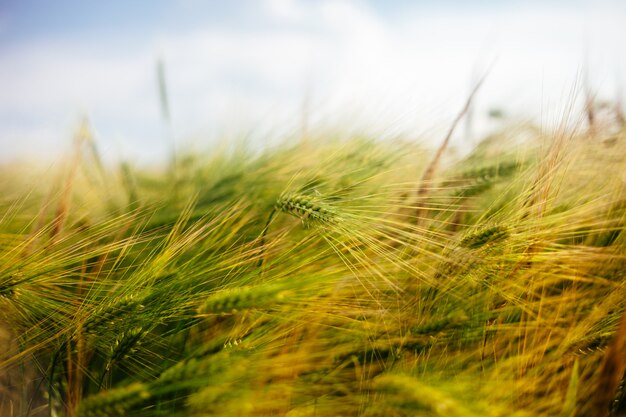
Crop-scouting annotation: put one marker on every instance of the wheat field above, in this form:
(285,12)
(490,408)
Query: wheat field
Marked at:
(323,277)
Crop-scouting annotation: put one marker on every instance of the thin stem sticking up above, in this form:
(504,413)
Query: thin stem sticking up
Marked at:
(423,189)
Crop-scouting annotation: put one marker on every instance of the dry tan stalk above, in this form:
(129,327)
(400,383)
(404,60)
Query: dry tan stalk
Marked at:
(429,173)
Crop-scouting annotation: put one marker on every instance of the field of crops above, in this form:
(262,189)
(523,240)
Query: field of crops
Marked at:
(324,277)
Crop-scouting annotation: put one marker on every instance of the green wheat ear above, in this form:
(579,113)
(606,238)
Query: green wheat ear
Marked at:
(482,237)
(452,320)
(406,392)
(307,209)
(7,286)
(111,313)
(124,345)
(243,298)
(477,181)
(115,402)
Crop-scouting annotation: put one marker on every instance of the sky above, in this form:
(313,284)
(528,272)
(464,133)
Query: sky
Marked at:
(253,69)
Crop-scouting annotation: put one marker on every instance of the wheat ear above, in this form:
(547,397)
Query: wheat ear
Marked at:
(242,298)
(115,402)
(307,209)
(408,392)
(482,237)
(111,313)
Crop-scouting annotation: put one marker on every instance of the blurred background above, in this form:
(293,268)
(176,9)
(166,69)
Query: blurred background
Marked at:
(200,72)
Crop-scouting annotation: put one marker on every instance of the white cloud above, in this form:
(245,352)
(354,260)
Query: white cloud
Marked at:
(410,73)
